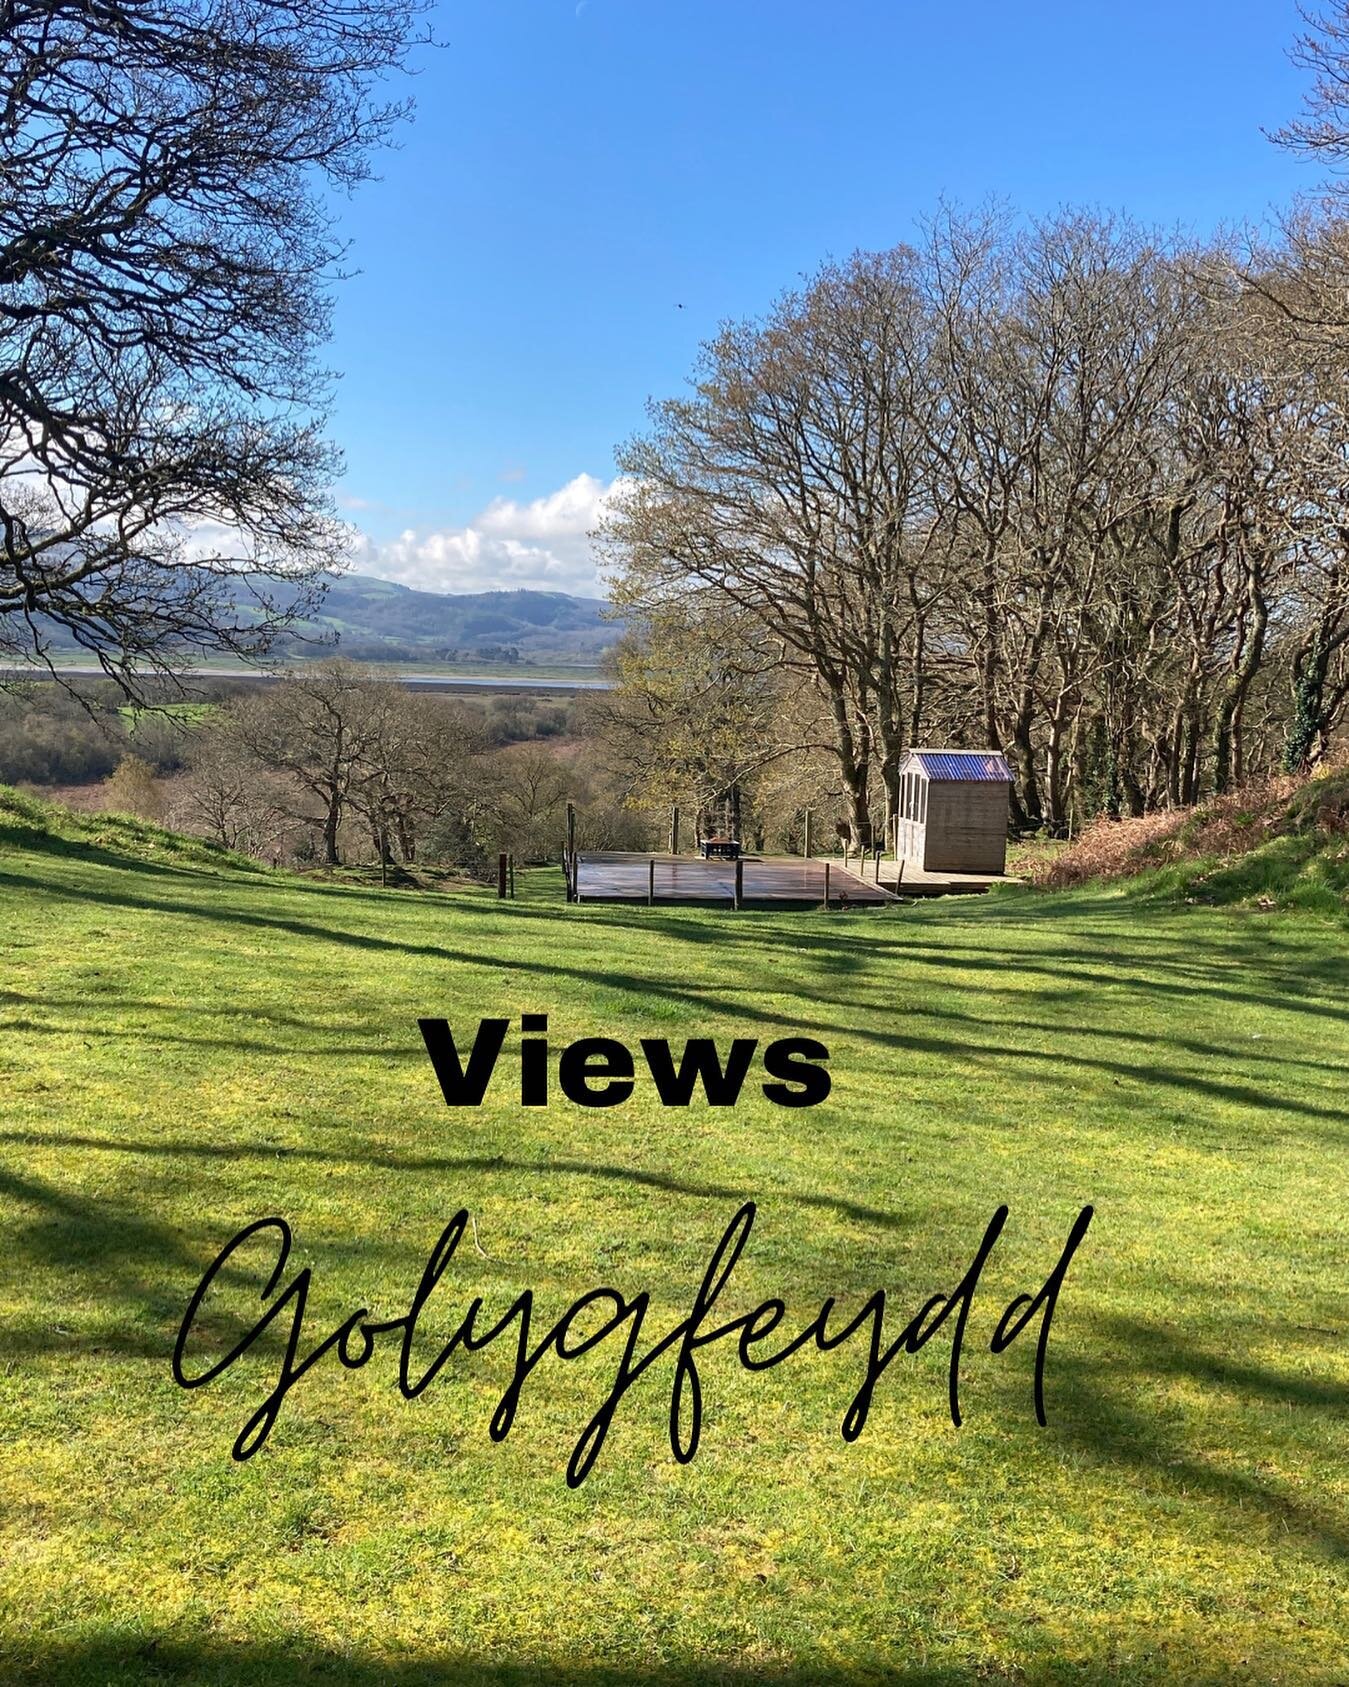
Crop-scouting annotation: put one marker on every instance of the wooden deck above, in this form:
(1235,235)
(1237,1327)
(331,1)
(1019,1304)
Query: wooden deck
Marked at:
(614,876)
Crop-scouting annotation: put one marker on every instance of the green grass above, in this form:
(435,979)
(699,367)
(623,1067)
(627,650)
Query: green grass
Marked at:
(1300,871)
(192,1042)
(188,713)
(1026,854)
(1282,846)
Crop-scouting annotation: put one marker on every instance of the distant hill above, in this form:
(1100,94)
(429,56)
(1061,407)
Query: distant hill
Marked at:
(378,620)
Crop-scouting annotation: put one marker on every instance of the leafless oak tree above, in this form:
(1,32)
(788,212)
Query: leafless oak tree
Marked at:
(165,263)
(1059,488)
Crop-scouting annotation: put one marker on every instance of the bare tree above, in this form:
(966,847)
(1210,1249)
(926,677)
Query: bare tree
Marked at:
(416,763)
(1323,49)
(793,484)
(530,788)
(318,727)
(229,798)
(697,713)
(1061,488)
(1061,347)
(165,261)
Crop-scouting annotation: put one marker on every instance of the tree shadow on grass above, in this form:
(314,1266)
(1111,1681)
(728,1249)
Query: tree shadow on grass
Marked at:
(1136,1658)
(365,1156)
(141,1272)
(1110,1407)
(1311,985)
(210,859)
(110,1252)
(1144,952)
(704,997)
(350,1039)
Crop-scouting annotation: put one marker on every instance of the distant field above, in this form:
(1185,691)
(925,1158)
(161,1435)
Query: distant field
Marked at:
(522,675)
(191,1043)
(577,672)
(187,713)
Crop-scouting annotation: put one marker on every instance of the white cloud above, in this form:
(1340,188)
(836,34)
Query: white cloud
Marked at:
(542,545)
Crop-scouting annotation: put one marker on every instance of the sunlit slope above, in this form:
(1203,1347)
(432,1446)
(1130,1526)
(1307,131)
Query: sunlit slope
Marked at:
(192,1043)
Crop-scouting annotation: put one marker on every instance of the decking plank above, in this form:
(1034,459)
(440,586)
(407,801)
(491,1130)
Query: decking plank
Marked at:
(617,876)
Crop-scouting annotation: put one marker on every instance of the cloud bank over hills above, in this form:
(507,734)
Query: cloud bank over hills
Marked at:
(540,545)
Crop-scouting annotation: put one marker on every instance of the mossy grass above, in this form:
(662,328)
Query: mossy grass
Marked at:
(192,1042)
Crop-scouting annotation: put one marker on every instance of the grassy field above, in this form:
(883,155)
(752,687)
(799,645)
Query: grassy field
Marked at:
(191,1044)
(507,672)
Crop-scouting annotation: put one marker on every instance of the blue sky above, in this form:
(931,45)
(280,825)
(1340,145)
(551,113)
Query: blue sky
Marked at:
(578,172)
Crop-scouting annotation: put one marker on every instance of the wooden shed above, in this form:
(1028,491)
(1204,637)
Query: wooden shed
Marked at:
(953,811)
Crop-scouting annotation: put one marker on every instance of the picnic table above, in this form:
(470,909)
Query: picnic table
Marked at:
(719,849)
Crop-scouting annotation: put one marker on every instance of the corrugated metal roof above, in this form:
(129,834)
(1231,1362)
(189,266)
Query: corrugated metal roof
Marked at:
(963,764)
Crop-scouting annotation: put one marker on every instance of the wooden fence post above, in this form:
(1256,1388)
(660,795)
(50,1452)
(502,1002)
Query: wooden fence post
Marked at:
(806,850)
(826,884)
(739,881)
(674,829)
(501,876)
(651,882)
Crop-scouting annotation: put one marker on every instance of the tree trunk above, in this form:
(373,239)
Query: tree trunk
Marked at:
(331,822)
(988,668)
(733,811)
(1055,769)
(855,769)
(1032,815)
(1227,757)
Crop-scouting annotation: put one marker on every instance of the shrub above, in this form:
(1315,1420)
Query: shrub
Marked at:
(133,789)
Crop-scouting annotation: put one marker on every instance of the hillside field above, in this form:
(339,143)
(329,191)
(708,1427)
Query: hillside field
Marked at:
(381,621)
(192,1043)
